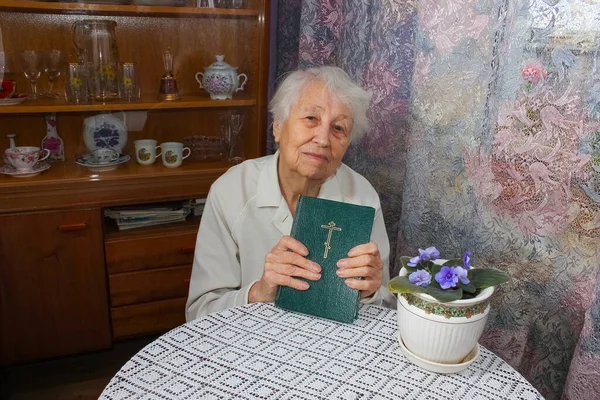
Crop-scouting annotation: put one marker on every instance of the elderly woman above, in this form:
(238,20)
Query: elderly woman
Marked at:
(244,251)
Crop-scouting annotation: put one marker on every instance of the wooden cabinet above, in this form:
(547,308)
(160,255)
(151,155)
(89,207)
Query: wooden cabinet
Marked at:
(149,276)
(150,248)
(53,297)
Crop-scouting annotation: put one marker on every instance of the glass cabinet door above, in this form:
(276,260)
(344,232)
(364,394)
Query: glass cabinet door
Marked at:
(133,100)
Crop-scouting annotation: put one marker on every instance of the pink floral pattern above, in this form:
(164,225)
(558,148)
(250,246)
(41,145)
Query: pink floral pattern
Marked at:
(218,84)
(534,72)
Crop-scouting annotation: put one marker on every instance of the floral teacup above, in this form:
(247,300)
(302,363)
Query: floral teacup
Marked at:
(23,158)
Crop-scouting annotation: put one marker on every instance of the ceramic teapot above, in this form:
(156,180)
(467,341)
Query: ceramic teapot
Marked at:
(221,80)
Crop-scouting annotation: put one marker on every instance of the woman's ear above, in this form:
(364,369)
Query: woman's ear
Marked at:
(276,131)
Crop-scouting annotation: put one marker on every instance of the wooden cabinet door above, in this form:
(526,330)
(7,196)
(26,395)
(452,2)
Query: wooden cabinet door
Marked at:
(53,291)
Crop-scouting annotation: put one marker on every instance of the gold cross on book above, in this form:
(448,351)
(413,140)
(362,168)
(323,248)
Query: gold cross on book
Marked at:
(331,227)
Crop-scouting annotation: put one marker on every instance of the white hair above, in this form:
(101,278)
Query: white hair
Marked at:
(339,85)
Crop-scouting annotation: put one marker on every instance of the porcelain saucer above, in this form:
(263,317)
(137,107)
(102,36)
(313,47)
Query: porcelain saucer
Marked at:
(12,171)
(16,99)
(87,161)
(438,367)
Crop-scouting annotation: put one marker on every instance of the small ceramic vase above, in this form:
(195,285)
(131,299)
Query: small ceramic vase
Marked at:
(52,141)
(11,145)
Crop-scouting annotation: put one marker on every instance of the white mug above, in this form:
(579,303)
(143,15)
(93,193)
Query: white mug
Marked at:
(145,151)
(172,154)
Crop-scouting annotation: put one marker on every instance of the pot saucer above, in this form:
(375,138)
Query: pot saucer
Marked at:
(37,168)
(438,367)
(87,161)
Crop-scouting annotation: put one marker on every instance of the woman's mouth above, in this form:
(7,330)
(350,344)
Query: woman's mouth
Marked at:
(316,156)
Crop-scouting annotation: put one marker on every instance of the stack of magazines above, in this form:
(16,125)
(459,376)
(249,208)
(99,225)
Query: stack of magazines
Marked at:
(199,206)
(130,217)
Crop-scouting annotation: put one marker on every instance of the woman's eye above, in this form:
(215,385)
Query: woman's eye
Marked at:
(338,128)
(311,118)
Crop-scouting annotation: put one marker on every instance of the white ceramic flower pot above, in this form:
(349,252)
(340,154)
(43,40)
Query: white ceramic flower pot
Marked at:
(442,332)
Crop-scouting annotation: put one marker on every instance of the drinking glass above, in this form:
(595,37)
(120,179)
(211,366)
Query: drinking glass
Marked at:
(53,62)
(76,84)
(129,89)
(32,68)
(231,128)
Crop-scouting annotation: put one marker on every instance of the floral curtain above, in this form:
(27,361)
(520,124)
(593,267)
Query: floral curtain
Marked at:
(374,42)
(485,136)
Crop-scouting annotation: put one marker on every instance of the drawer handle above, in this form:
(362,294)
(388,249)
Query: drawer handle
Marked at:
(188,249)
(79,226)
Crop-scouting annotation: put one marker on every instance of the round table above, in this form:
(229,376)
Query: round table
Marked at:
(259,351)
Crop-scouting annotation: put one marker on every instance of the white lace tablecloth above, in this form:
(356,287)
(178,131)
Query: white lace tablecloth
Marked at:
(259,351)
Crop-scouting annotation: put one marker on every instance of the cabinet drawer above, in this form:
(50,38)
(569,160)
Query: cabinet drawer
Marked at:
(152,285)
(146,252)
(147,318)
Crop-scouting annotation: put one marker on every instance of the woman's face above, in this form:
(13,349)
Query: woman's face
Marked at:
(315,136)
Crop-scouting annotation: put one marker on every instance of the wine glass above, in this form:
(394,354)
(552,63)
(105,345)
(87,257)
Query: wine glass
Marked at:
(53,62)
(32,68)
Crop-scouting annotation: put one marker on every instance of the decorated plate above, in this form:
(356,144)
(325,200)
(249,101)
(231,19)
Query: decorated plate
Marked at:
(104,131)
(14,100)
(12,171)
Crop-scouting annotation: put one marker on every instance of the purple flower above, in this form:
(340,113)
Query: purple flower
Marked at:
(429,254)
(467,260)
(413,261)
(447,277)
(461,273)
(420,278)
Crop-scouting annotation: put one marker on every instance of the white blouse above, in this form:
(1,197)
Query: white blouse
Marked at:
(245,216)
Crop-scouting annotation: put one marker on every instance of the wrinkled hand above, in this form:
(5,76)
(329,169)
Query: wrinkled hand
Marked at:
(282,264)
(364,262)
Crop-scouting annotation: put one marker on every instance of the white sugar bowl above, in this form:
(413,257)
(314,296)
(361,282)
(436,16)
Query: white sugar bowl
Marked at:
(221,80)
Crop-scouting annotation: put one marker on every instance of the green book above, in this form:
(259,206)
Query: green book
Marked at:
(329,229)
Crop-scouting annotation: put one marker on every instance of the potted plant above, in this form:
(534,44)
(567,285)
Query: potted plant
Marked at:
(442,308)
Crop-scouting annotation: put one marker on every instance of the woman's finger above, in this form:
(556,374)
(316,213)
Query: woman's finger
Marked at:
(358,272)
(289,243)
(367,286)
(366,248)
(285,280)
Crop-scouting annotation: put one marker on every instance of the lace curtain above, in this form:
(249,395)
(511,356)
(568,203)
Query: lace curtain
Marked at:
(485,136)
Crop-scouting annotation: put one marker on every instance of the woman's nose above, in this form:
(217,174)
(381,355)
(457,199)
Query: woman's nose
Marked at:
(321,135)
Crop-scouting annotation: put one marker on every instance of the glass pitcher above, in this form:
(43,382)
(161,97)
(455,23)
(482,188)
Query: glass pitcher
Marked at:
(96,46)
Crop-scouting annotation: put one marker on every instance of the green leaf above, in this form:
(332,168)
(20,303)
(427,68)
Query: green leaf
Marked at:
(434,270)
(404,262)
(410,270)
(456,262)
(485,277)
(469,287)
(401,284)
(444,296)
